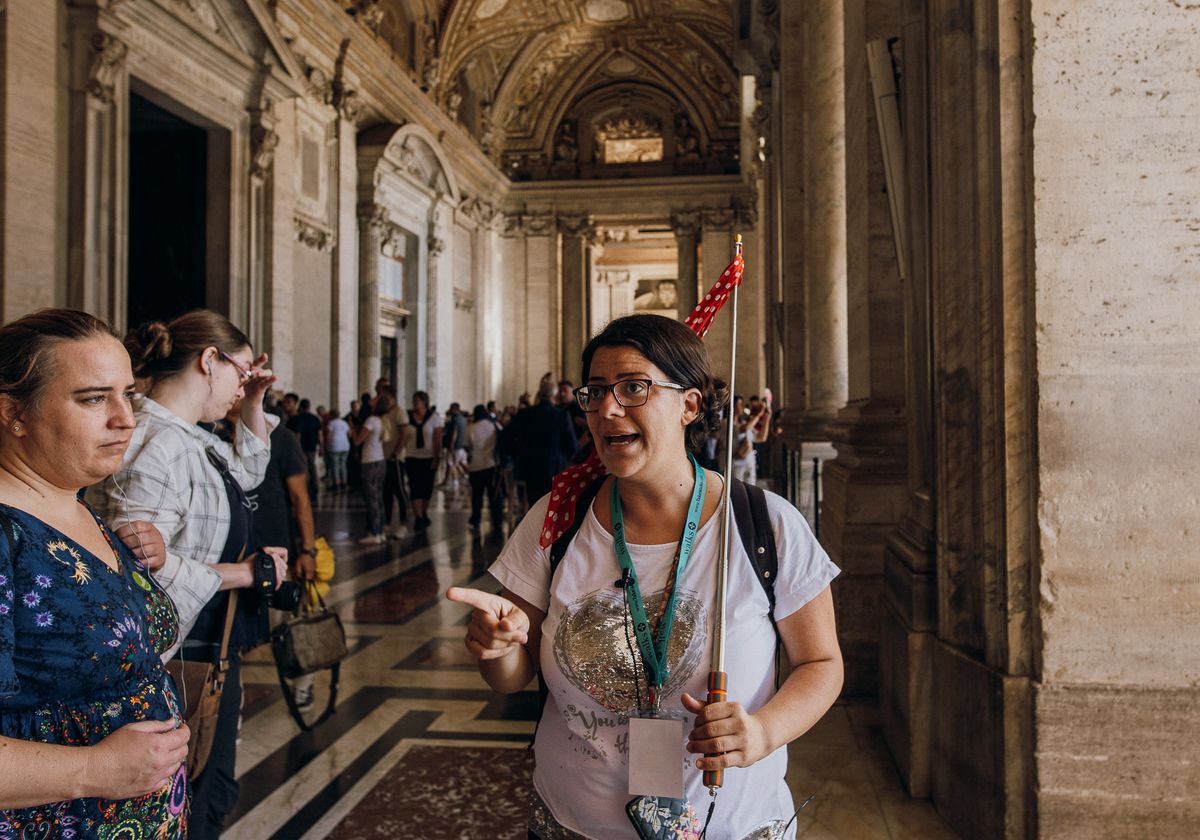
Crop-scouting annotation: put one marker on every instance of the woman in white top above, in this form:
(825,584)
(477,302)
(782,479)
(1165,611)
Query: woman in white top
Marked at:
(192,486)
(421,462)
(650,400)
(370,437)
(337,450)
(481,468)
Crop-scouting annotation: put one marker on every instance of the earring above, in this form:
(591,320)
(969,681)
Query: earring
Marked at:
(16,427)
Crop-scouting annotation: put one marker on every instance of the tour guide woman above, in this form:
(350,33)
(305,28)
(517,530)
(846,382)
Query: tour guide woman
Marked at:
(91,742)
(650,400)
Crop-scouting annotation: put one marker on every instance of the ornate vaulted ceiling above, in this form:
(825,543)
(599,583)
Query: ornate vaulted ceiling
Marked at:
(579,88)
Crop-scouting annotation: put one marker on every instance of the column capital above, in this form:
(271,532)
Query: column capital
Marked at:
(718,219)
(371,216)
(108,60)
(530,224)
(580,226)
(686,223)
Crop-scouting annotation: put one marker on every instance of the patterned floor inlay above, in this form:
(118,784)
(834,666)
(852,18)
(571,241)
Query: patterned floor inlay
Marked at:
(446,793)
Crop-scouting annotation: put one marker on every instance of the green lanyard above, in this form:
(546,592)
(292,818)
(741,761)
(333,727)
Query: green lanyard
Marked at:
(654,648)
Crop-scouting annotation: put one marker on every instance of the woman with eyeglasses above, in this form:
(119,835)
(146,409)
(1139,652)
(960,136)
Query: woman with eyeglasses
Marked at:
(191,486)
(622,629)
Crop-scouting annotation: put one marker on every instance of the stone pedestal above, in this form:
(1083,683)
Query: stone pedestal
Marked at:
(864,496)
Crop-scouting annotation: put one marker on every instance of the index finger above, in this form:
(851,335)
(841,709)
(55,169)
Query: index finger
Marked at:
(476,598)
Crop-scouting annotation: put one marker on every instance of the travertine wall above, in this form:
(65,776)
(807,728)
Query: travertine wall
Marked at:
(1117,212)
(31,157)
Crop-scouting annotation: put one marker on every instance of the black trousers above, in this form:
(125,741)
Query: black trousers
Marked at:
(215,790)
(393,490)
(484,481)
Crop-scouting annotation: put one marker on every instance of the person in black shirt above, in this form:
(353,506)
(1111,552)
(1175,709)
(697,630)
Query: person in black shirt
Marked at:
(307,428)
(541,440)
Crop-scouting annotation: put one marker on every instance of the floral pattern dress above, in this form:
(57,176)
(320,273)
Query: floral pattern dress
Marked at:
(79,659)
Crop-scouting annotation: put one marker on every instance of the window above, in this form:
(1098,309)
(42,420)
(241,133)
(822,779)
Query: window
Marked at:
(391,278)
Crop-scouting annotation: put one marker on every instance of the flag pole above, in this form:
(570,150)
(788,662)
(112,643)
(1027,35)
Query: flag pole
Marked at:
(718,680)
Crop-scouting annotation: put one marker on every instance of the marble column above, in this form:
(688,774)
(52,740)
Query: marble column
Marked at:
(543,304)
(576,280)
(344,314)
(372,224)
(824,184)
(716,252)
(438,309)
(686,226)
(98,173)
(865,486)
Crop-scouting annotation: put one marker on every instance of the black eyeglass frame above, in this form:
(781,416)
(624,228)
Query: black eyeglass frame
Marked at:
(611,388)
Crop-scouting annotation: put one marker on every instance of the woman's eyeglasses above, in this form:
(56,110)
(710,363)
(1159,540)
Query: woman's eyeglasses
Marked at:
(629,393)
(244,374)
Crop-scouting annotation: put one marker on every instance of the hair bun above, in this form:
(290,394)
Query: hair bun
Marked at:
(149,344)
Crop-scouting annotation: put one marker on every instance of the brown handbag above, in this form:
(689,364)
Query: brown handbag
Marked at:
(201,684)
(310,641)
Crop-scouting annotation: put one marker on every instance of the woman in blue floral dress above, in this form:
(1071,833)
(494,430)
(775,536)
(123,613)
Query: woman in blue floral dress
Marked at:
(91,736)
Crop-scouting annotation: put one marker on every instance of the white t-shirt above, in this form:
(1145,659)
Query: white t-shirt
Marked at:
(481,440)
(339,435)
(372,450)
(582,741)
(433,422)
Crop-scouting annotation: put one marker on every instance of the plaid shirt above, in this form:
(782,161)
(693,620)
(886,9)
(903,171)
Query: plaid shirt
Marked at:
(167,479)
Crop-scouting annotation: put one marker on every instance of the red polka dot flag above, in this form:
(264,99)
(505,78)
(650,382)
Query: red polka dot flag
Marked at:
(571,482)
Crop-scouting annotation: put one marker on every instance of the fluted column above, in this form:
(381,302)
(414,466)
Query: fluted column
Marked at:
(686,226)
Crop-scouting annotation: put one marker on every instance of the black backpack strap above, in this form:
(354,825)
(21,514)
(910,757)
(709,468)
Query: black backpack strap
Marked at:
(753,520)
(557,552)
(758,537)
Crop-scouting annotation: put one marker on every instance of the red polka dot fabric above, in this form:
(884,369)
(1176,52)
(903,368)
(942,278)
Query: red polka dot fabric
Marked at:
(568,484)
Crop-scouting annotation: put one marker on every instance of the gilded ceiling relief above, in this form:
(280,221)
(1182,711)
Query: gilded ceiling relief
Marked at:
(529,78)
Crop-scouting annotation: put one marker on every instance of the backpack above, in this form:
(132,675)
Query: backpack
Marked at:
(749,503)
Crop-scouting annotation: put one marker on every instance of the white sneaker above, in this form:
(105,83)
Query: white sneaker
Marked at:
(372,539)
(398,533)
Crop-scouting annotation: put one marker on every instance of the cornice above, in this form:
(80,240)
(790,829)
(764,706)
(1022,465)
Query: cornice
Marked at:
(385,89)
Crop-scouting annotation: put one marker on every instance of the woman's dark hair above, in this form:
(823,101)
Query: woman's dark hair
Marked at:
(479,413)
(27,344)
(160,351)
(676,351)
(423,397)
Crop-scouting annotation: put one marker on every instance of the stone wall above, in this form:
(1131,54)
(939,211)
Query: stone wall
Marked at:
(32,251)
(1117,212)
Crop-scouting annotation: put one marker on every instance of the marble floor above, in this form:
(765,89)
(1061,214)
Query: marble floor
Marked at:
(420,747)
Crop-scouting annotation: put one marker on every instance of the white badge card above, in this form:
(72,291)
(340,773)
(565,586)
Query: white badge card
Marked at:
(656,757)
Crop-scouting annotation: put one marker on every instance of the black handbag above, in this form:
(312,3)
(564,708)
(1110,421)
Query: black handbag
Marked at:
(312,640)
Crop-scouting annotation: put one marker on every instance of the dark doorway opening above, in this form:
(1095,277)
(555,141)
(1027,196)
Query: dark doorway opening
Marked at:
(168,174)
